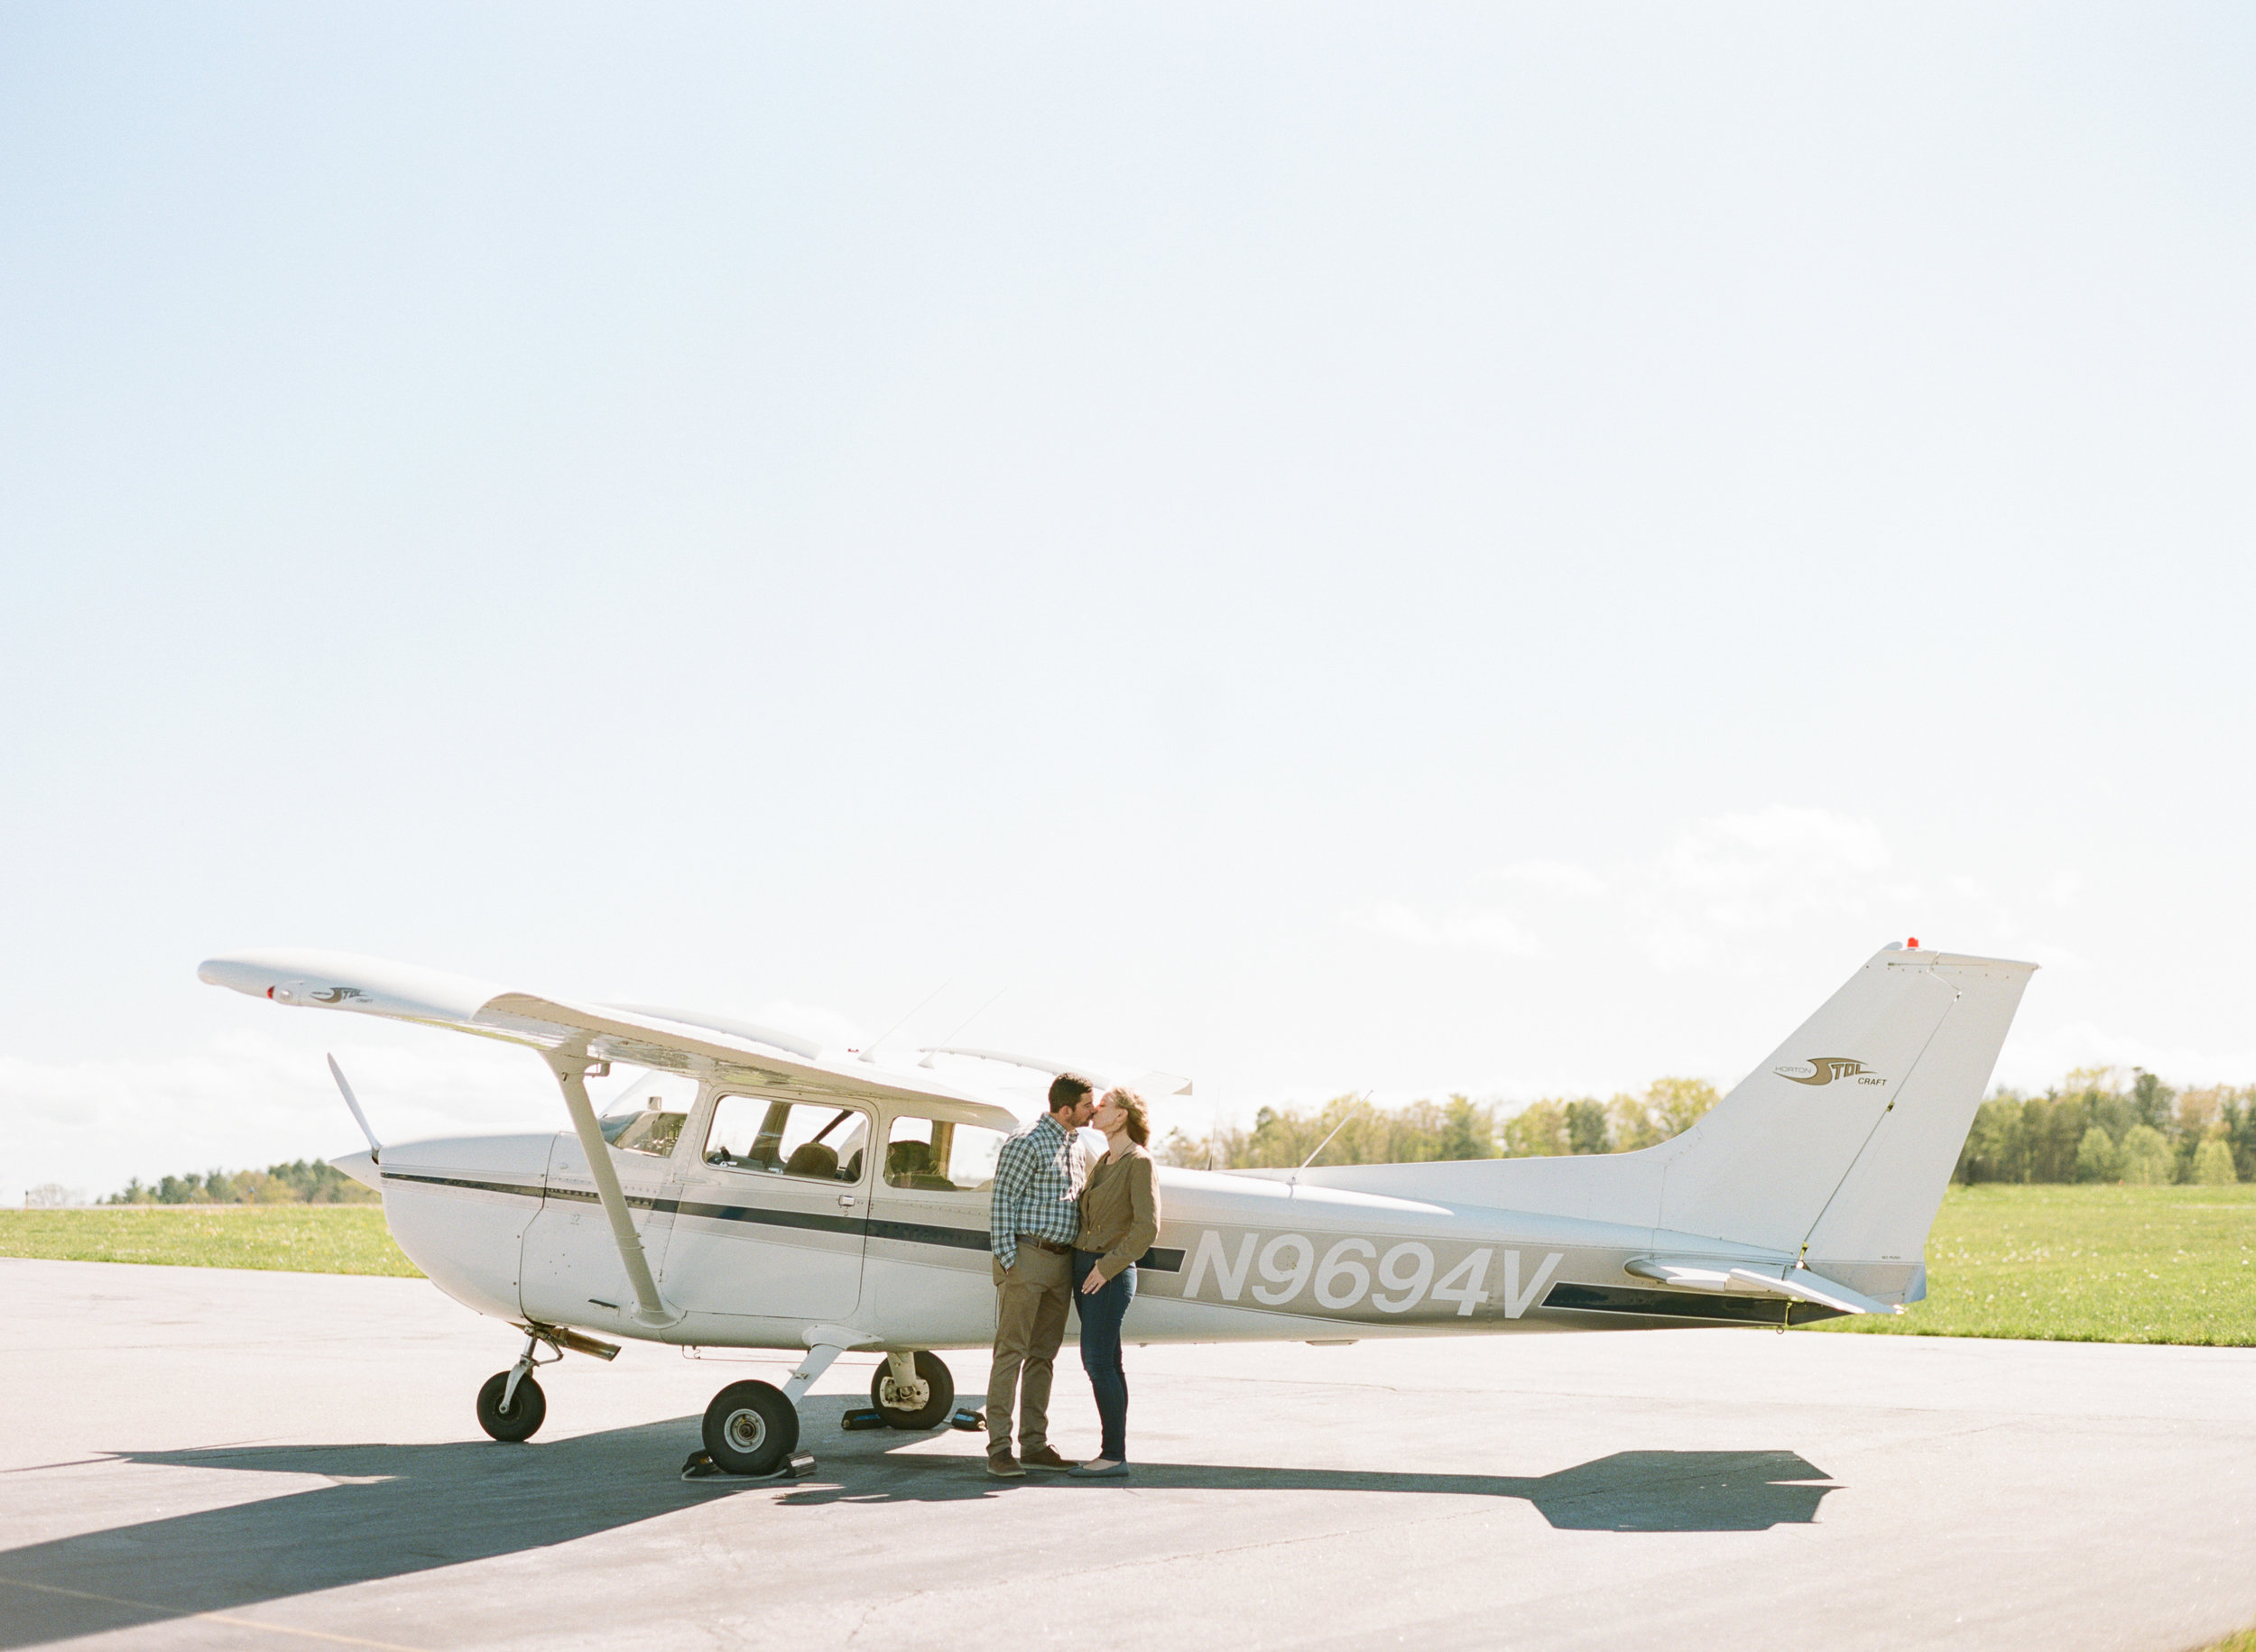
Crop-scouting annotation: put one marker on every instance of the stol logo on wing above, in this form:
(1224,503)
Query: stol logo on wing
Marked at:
(1823,1070)
(337,995)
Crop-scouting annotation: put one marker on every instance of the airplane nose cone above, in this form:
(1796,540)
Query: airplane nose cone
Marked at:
(362,1169)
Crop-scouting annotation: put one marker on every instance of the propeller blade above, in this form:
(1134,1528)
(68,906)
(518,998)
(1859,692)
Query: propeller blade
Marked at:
(375,1148)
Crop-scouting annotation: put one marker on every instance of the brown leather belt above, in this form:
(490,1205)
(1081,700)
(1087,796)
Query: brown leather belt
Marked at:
(1050,1245)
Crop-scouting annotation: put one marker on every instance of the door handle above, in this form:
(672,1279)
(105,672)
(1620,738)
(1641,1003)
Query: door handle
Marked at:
(847,1200)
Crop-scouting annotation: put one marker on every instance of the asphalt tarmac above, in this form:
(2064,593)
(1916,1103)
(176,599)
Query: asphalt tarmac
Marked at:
(197,1458)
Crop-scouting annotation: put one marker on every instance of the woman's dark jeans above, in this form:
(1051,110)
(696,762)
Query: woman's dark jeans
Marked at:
(1101,1312)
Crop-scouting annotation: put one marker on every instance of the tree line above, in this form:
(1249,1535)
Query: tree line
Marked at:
(2099,1124)
(1349,1130)
(300,1182)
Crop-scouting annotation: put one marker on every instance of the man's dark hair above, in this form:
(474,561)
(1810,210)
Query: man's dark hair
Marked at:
(1067,1090)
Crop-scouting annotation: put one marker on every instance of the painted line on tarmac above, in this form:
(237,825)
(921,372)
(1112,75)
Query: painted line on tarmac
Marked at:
(175,1614)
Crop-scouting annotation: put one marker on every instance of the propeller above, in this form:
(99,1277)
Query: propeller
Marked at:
(375,1148)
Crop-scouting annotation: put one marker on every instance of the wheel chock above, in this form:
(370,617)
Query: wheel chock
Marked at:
(868,1416)
(969,1420)
(701,1466)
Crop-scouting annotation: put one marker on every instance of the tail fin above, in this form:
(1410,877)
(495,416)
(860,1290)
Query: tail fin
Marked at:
(1840,1145)
(1836,1150)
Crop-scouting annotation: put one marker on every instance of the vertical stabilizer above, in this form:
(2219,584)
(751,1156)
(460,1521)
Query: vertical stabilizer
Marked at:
(1834,1151)
(1842,1141)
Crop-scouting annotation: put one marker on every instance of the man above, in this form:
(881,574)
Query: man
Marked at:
(1031,1225)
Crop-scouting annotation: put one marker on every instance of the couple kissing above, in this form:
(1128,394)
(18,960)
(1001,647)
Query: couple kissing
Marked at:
(1067,1229)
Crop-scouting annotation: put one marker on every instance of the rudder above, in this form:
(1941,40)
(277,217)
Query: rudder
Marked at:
(1840,1144)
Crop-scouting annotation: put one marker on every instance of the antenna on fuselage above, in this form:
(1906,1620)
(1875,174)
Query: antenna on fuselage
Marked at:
(1327,1140)
(955,1031)
(869,1051)
(375,1148)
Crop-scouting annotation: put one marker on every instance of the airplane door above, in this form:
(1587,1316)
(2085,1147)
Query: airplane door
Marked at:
(573,1274)
(929,1276)
(771,1212)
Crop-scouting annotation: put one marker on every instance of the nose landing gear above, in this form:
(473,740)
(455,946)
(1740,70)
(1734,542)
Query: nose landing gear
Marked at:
(512,1417)
(511,1406)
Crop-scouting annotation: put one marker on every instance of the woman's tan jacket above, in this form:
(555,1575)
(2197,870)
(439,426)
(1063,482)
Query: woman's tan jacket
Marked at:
(1120,1210)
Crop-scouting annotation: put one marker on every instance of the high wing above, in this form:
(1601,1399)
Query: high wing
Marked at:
(681,1041)
(573,1040)
(1154,1081)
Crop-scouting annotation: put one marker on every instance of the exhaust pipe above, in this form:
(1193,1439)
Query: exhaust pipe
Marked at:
(579,1344)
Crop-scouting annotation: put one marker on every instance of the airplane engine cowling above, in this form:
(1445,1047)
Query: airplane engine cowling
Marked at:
(459,1208)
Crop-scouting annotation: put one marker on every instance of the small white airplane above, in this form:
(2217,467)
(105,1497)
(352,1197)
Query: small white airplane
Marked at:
(789,1201)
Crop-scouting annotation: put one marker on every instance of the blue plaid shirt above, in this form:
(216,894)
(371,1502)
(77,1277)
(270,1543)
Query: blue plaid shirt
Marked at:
(1037,1180)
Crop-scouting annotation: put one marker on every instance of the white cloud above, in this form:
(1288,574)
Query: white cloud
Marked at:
(1397,921)
(1491,931)
(1555,878)
(1473,929)
(248,1101)
(1769,868)
(2037,1055)
(1719,880)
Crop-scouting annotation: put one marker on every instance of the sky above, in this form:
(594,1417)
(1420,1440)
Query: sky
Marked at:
(1324,549)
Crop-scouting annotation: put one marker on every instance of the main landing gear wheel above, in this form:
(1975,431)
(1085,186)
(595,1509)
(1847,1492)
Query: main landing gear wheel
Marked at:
(750,1428)
(897,1407)
(528,1407)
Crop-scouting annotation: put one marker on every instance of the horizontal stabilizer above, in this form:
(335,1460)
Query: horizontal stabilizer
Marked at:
(1728,1278)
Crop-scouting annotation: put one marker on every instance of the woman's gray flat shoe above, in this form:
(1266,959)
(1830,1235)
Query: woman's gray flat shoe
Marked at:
(1119,1471)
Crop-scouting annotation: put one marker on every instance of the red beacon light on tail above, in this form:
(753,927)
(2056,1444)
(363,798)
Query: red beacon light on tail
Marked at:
(1912,945)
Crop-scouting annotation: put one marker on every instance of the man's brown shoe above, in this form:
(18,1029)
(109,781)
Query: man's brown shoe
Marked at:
(1004,1466)
(1047,1457)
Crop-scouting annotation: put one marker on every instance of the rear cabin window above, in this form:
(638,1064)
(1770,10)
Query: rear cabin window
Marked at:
(808,1139)
(937,1156)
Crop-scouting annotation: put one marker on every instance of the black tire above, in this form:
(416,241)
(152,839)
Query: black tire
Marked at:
(934,1411)
(527,1409)
(750,1428)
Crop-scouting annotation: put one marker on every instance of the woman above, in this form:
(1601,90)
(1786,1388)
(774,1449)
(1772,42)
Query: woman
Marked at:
(1120,1218)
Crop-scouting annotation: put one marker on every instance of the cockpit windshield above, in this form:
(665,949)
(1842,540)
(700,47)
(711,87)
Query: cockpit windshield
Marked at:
(647,1115)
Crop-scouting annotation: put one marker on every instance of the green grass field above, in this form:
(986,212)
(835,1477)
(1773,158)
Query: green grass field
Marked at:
(2076,1264)
(2087,1264)
(291,1238)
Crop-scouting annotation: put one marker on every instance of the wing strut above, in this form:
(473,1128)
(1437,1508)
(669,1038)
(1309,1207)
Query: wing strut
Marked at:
(571,1076)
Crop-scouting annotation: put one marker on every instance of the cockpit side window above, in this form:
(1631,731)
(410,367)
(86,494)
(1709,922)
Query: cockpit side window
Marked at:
(811,1140)
(647,1117)
(939,1155)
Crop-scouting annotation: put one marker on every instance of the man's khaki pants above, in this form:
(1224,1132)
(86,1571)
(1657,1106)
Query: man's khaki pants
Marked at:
(1030,1322)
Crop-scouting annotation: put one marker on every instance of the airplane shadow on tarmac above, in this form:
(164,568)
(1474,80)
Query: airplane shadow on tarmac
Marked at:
(394,1510)
(1631,1491)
